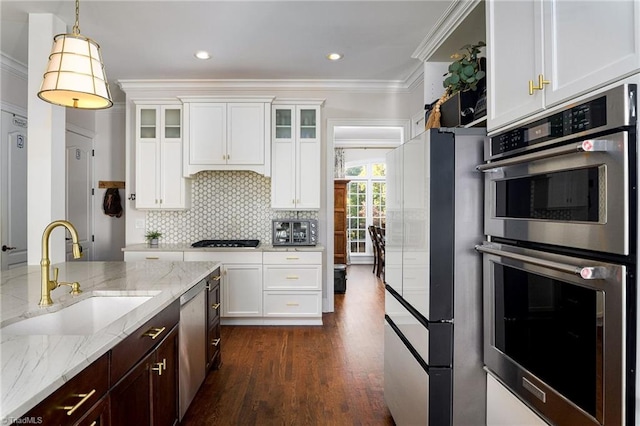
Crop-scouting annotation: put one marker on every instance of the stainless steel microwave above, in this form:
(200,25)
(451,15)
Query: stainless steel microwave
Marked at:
(295,232)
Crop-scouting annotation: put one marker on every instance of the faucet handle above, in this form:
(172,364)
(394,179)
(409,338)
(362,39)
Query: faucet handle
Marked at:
(55,274)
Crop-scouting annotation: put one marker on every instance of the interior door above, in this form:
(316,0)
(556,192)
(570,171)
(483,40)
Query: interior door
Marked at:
(13,191)
(79,177)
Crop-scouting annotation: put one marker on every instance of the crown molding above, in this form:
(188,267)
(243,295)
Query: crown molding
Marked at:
(11,66)
(266,84)
(456,13)
(13,109)
(416,77)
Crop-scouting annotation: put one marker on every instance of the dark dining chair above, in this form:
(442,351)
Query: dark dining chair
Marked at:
(372,234)
(380,239)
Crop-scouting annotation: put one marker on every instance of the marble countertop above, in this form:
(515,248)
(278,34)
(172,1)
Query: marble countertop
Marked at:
(187,247)
(36,365)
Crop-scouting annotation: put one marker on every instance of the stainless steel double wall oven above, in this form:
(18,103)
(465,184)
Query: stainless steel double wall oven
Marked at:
(559,267)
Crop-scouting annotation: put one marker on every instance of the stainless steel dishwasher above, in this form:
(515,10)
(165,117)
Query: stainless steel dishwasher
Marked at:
(193,329)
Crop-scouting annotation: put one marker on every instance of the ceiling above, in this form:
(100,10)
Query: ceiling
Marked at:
(149,39)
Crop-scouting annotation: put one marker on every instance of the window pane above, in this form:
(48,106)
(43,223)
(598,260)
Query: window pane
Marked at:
(379,170)
(356,171)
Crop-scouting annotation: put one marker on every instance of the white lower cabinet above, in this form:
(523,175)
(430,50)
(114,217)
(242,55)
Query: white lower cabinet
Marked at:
(241,290)
(505,409)
(293,286)
(241,284)
(167,256)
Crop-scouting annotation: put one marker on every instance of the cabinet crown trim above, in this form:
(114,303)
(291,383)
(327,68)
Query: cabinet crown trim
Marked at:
(446,25)
(226,99)
(298,101)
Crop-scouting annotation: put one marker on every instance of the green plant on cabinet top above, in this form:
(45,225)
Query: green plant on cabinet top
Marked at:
(465,71)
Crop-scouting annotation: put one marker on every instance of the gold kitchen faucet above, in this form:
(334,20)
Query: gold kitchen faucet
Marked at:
(48,284)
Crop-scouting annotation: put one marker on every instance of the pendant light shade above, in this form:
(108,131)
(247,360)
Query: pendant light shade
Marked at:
(75,74)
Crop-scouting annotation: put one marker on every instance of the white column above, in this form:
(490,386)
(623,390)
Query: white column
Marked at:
(46,145)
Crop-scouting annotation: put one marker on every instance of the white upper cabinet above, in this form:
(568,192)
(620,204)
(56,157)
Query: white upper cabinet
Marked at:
(227,135)
(296,153)
(543,53)
(159,180)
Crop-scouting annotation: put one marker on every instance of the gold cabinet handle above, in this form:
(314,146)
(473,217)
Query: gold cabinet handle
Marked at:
(154,332)
(215,306)
(293,277)
(84,396)
(152,258)
(94,423)
(542,82)
(160,366)
(216,278)
(540,86)
(293,258)
(293,304)
(215,342)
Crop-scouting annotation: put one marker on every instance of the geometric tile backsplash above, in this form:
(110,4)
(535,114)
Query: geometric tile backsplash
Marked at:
(224,205)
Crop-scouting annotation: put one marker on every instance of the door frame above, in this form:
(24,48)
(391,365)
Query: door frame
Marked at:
(92,213)
(17,110)
(332,123)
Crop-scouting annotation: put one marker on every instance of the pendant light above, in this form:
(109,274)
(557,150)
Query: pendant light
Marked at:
(75,74)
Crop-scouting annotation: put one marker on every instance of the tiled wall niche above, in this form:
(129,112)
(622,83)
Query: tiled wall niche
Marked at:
(224,205)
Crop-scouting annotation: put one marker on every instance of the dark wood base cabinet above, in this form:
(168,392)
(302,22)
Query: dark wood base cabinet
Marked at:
(136,383)
(213,321)
(148,394)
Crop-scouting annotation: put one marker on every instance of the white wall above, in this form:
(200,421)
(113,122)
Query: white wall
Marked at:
(109,165)
(109,144)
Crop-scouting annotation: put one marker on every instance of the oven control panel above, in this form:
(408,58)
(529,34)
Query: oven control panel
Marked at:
(593,115)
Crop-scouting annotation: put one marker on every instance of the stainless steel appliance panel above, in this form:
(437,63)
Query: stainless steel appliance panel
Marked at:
(574,195)
(192,360)
(555,330)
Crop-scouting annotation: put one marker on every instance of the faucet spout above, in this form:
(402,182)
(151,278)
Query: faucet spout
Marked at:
(47,284)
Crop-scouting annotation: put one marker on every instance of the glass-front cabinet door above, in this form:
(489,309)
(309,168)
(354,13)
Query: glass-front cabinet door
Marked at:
(283,122)
(172,122)
(148,123)
(307,123)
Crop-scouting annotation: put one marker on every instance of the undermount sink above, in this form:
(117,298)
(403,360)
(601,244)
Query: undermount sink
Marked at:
(82,318)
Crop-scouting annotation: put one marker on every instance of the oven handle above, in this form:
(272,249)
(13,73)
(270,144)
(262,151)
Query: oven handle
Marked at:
(588,145)
(585,272)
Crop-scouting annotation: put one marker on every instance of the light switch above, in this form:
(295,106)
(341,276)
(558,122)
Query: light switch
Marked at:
(139,223)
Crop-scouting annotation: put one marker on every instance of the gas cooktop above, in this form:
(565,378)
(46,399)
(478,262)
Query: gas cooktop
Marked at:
(227,243)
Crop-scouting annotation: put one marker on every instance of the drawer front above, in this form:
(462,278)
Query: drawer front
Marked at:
(169,256)
(300,277)
(214,343)
(228,257)
(74,399)
(213,303)
(292,304)
(292,258)
(128,352)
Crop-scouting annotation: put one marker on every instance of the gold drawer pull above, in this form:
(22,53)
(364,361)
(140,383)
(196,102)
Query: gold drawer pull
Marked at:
(152,258)
(160,366)
(293,304)
(293,277)
(293,258)
(216,278)
(154,332)
(215,342)
(95,423)
(215,306)
(84,396)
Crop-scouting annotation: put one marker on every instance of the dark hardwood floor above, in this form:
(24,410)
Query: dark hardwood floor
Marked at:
(312,375)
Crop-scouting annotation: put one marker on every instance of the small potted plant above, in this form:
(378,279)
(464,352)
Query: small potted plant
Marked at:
(152,237)
(464,83)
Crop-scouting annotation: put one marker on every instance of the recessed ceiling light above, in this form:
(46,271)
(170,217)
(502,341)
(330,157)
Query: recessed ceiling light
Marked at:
(334,56)
(201,54)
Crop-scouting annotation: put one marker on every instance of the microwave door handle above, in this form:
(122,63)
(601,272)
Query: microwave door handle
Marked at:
(588,145)
(585,272)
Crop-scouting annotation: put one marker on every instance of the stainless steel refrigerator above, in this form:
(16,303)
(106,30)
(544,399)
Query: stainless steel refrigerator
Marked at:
(433,303)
